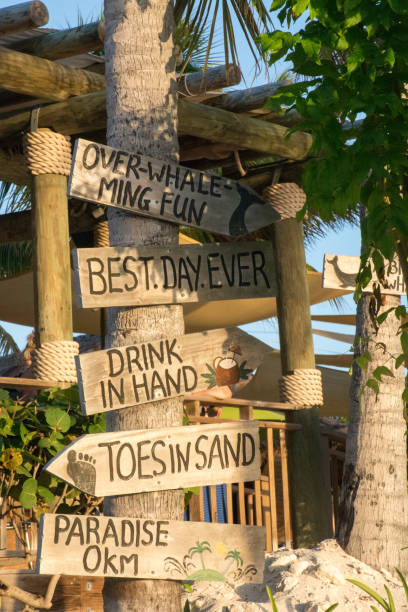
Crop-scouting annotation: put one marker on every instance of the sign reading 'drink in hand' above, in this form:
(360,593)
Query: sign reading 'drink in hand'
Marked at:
(340,271)
(145,548)
(167,191)
(137,374)
(132,276)
(157,459)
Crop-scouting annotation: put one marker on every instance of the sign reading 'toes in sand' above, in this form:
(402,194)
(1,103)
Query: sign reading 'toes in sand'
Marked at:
(167,191)
(133,276)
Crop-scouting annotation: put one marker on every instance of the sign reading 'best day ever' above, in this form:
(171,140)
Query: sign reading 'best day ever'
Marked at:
(158,369)
(121,463)
(167,191)
(145,548)
(133,276)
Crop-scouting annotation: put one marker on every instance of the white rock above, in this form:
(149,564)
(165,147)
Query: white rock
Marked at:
(299,566)
(314,607)
(287,583)
(328,573)
(281,561)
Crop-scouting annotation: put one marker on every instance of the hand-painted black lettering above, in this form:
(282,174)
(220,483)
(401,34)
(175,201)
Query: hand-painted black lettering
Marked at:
(107,159)
(196,270)
(200,452)
(146,530)
(111,274)
(172,465)
(98,273)
(211,269)
(155,354)
(127,541)
(76,531)
(180,211)
(108,186)
(229,274)
(137,386)
(141,458)
(259,267)
(115,355)
(170,382)
(170,352)
(92,559)
(92,526)
(126,260)
(183,274)
(215,451)
(228,448)
(201,179)
(109,445)
(154,174)
(87,164)
(121,156)
(185,459)
(248,459)
(130,196)
(158,390)
(157,459)
(132,356)
(118,393)
(241,267)
(108,562)
(170,176)
(145,261)
(187,180)
(161,532)
(167,198)
(133,163)
(194,217)
(131,461)
(119,193)
(59,527)
(143,203)
(214,185)
(123,559)
(189,386)
(110,532)
(103,394)
(168,261)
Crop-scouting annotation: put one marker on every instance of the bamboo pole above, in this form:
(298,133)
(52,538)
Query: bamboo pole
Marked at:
(20,17)
(309,498)
(52,271)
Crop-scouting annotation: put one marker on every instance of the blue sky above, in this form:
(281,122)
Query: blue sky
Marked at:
(346,242)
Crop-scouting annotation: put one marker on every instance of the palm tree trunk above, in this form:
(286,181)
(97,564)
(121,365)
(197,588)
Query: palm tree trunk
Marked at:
(374,506)
(141,109)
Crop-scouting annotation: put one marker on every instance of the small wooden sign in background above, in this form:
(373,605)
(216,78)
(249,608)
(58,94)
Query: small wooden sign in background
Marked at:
(340,271)
(146,548)
(132,276)
(157,459)
(167,191)
(132,375)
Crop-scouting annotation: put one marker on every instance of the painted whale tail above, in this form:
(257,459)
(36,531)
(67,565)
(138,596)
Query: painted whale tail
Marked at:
(237,225)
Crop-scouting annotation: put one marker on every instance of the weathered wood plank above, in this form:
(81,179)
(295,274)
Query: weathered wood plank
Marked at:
(233,401)
(131,276)
(24,383)
(340,271)
(150,187)
(134,375)
(245,100)
(146,548)
(42,78)
(214,78)
(23,16)
(158,459)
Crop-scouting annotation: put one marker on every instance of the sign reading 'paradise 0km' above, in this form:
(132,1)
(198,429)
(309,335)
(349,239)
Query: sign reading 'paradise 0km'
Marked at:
(132,276)
(121,463)
(145,548)
(141,373)
(167,191)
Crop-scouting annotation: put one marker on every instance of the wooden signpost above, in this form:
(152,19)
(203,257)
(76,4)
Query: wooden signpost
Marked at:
(158,459)
(137,374)
(145,548)
(340,271)
(132,276)
(167,191)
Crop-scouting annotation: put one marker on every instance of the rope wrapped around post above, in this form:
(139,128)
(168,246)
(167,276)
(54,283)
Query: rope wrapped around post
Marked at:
(47,152)
(56,361)
(286,198)
(101,234)
(303,387)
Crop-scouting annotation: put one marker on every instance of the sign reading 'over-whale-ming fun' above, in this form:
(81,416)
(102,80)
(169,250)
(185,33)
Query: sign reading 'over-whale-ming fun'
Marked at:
(146,548)
(121,463)
(167,191)
(158,369)
(132,276)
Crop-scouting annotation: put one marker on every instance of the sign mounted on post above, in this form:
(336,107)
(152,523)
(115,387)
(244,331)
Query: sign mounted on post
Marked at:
(131,375)
(145,548)
(340,271)
(147,186)
(121,463)
(133,276)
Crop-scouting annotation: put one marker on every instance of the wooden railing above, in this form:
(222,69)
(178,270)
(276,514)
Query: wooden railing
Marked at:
(334,446)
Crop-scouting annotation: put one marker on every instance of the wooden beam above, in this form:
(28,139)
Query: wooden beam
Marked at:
(245,100)
(6,382)
(233,401)
(214,78)
(65,43)
(20,17)
(41,78)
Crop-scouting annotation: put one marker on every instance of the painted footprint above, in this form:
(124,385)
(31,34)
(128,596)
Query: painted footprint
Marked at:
(82,470)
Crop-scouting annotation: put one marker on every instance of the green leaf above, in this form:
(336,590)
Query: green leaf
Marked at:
(332,607)
(57,419)
(405,395)
(399,361)
(28,497)
(271,599)
(382,371)
(399,6)
(373,384)
(22,470)
(370,592)
(404,342)
(46,494)
(404,582)
(4,395)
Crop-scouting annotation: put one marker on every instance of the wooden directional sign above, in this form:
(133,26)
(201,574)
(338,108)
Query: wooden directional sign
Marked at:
(137,374)
(340,271)
(167,191)
(120,463)
(146,548)
(132,276)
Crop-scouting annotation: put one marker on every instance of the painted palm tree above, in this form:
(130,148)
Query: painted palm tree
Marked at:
(199,549)
(234,557)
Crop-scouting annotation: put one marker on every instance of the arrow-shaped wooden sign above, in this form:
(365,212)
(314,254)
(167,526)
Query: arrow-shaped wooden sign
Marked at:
(167,191)
(340,271)
(132,276)
(137,374)
(145,548)
(121,463)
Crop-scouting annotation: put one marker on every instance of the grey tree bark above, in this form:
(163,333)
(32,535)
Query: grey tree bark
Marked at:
(373,513)
(141,110)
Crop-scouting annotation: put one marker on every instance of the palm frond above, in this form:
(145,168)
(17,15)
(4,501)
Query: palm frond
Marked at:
(15,258)
(251,16)
(8,345)
(198,54)
(14,198)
